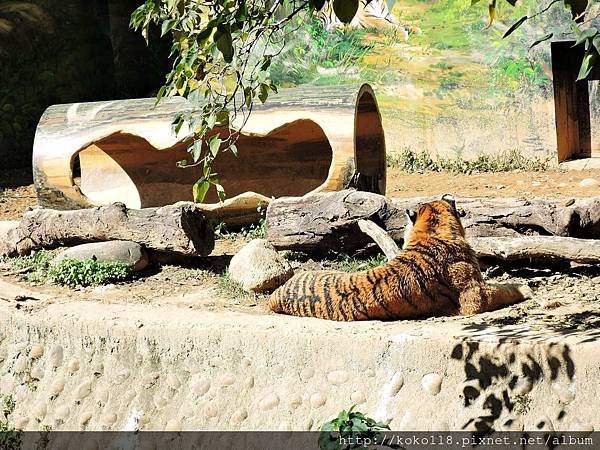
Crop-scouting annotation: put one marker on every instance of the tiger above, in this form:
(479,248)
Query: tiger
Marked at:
(370,14)
(435,274)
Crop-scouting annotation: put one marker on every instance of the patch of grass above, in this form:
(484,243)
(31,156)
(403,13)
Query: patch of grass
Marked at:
(37,263)
(410,160)
(228,287)
(9,437)
(256,230)
(70,272)
(346,263)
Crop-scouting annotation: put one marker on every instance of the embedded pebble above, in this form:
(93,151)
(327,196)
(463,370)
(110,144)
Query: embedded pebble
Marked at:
(317,400)
(129,396)
(173,382)
(36,351)
(565,392)
(73,365)
(246,363)
(432,383)
(357,397)
(40,410)
(57,386)
(308,424)
(369,373)
(581,426)
(173,425)
(211,409)
(295,401)
(56,356)
(108,419)
(307,373)
(201,386)
(21,423)
(396,383)
(337,377)
(37,373)
(588,182)
(83,390)
(239,416)
(523,387)
(84,419)
(62,412)
(102,397)
(249,383)
(269,401)
(227,379)
(21,364)
(407,422)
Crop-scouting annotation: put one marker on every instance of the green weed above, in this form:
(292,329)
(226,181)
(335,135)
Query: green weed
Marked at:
(346,263)
(410,160)
(35,266)
(349,424)
(230,288)
(73,273)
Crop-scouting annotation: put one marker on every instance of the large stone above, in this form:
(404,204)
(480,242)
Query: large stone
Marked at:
(258,267)
(124,251)
(6,227)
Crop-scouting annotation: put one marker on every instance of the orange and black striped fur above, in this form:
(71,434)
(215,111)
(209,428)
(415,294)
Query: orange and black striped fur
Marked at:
(436,274)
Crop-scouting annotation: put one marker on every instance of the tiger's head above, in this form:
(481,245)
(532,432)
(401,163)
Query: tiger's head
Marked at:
(438,218)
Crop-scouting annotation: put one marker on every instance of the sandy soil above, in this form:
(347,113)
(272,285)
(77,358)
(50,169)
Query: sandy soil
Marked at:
(201,285)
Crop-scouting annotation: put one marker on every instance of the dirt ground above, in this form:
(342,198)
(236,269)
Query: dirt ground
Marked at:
(574,291)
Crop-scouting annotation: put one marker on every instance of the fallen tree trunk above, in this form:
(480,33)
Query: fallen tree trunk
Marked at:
(585,251)
(329,221)
(180,228)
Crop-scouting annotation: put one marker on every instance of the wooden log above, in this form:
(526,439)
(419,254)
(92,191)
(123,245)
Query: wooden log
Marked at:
(329,221)
(181,229)
(387,245)
(300,141)
(585,251)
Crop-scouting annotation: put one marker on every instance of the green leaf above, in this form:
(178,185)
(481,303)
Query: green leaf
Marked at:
(588,64)
(182,163)
(220,192)
(234,149)
(224,43)
(196,150)
(514,26)
(167,26)
(248,94)
(586,34)
(264,93)
(160,94)
(215,144)
(596,43)
(200,189)
(345,10)
(542,39)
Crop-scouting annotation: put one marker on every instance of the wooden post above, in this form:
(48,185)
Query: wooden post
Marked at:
(571,102)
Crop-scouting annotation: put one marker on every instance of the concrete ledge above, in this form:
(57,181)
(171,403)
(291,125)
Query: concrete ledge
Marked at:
(86,365)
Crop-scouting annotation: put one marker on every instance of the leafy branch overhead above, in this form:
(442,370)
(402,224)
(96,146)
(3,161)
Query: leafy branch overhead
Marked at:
(222,51)
(583,12)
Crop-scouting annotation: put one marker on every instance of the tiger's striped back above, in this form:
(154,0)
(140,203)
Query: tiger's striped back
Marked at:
(437,273)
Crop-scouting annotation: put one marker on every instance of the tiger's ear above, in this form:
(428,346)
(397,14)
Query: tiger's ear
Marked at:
(412,215)
(449,198)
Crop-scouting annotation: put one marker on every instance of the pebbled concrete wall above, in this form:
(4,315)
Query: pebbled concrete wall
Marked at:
(93,366)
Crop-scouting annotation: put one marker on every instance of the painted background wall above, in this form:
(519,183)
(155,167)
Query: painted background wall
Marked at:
(452,88)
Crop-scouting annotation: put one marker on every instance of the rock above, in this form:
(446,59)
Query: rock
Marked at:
(432,383)
(589,182)
(6,226)
(269,401)
(258,267)
(125,251)
(36,351)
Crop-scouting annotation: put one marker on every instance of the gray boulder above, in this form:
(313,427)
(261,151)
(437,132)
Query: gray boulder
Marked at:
(258,267)
(128,252)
